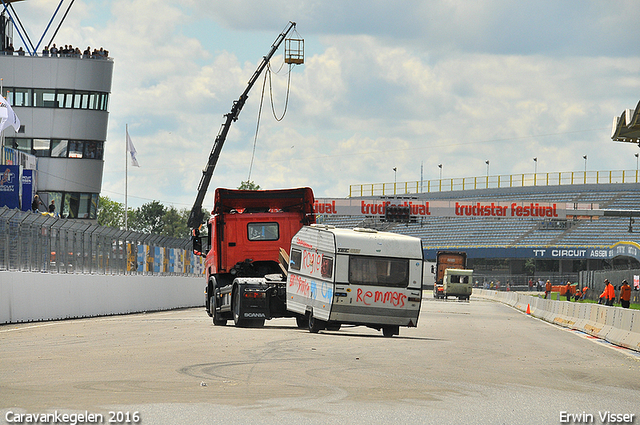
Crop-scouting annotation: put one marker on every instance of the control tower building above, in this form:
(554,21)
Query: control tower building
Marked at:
(62,100)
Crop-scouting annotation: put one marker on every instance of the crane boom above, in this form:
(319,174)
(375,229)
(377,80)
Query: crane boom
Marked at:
(195,217)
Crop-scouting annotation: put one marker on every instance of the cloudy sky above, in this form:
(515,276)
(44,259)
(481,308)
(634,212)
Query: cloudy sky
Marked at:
(385,84)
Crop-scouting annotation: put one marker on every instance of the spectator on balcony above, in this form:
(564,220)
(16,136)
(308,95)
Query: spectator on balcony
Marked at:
(9,49)
(87,53)
(54,51)
(21,51)
(45,52)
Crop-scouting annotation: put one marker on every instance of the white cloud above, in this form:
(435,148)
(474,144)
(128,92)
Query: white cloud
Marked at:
(384,85)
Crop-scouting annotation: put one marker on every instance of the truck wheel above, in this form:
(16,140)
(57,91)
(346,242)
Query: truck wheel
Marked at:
(333,326)
(389,331)
(302,322)
(217,320)
(316,325)
(238,320)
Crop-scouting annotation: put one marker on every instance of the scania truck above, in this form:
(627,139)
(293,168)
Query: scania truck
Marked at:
(247,234)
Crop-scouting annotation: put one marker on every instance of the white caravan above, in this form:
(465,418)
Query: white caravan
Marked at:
(355,276)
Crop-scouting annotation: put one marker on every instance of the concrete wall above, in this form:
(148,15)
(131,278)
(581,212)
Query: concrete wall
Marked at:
(27,297)
(620,326)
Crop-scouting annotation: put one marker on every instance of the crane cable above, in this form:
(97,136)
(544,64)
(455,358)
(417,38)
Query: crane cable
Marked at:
(255,138)
(273,110)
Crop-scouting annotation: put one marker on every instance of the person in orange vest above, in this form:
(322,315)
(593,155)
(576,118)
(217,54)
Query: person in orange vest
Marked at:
(584,292)
(603,297)
(568,291)
(625,294)
(547,289)
(609,292)
(578,295)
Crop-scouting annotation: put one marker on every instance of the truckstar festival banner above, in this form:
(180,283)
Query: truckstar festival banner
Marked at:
(422,208)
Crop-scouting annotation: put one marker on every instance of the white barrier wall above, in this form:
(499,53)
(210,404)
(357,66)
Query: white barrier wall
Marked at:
(27,297)
(620,326)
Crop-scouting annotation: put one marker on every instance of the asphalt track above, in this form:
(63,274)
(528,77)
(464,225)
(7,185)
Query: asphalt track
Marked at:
(466,362)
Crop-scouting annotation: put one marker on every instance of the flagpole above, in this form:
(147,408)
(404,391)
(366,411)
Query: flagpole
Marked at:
(126,175)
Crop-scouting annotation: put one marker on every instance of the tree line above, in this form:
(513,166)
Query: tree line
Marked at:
(153,217)
(150,218)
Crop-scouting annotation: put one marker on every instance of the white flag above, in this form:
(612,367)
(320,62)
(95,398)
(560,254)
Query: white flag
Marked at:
(7,116)
(132,151)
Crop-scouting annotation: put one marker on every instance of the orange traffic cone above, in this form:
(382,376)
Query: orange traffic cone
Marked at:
(528,309)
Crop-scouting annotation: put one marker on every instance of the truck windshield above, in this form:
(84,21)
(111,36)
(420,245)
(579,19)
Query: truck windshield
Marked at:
(379,271)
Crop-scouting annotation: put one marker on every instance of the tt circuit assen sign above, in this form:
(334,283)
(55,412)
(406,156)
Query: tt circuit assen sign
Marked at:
(424,208)
(620,249)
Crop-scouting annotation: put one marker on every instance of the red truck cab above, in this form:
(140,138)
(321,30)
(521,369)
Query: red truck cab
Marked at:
(246,232)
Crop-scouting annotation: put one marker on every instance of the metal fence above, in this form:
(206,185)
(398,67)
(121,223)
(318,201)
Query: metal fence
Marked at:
(41,243)
(593,279)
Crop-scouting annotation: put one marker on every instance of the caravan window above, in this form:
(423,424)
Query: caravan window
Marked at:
(379,271)
(295,262)
(456,278)
(326,269)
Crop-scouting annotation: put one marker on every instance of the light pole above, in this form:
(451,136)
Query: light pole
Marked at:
(535,169)
(636,155)
(440,181)
(487,162)
(395,181)
(440,167)
(585,168)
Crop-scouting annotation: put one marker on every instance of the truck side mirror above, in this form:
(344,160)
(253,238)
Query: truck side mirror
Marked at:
(197,245)
(433,269)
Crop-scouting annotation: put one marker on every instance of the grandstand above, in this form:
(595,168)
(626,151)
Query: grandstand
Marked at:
(566,245)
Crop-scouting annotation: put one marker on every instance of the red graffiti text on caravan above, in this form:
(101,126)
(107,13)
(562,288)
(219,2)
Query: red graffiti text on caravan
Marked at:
(301,285)
(378,297)
(379,209)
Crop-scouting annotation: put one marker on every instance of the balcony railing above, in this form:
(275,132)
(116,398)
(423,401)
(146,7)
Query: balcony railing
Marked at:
(495,182)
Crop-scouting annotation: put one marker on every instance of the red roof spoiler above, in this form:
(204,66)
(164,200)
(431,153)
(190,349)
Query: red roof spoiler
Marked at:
(290,200)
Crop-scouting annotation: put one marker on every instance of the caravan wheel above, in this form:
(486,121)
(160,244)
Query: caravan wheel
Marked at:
(315,325)
(389,331)
(302,322)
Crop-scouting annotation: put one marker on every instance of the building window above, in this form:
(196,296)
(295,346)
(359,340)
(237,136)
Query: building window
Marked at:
(74,205)
(56,98)
(58,148)
(75,149)
(45,98)
(93,150)
(41,147)
(17,96)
